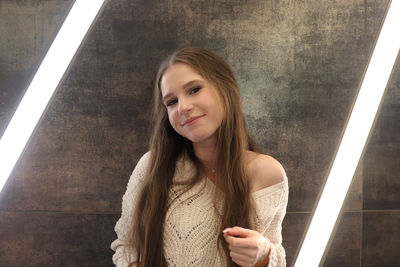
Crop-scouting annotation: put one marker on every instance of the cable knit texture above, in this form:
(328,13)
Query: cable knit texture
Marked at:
(192,222)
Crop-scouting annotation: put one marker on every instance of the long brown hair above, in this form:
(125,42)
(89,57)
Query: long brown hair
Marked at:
(167,146)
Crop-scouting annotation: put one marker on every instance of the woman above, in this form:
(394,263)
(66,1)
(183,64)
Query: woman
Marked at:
(202,196)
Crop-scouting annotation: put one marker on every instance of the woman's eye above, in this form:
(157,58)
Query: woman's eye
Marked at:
(195,90)
(171,102)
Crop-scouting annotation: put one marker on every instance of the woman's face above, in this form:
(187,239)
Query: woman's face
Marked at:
(195,109)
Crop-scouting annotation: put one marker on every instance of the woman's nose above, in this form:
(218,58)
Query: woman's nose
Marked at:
(184,105)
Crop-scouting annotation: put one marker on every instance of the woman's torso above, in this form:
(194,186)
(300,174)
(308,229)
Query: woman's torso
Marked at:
(192,223)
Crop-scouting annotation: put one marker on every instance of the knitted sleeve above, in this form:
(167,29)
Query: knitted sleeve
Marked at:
(277,256)
(125,252)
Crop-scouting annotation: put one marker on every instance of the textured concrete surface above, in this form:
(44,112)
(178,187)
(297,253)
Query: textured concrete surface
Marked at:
(292,231)
(27,29)
(55,239)
(381,240)
(298,64)
(346,245)
(381,161)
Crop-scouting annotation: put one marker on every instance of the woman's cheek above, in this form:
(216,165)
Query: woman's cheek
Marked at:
(173,120)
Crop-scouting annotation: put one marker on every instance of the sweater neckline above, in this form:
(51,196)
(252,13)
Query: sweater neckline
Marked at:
(257,193)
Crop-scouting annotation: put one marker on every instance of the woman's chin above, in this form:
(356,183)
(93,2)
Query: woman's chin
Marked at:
(199,139)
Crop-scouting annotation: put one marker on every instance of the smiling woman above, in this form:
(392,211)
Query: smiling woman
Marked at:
(202,195)
(193,104)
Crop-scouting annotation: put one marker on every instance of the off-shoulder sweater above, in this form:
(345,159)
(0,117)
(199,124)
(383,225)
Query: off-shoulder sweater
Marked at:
(192,223)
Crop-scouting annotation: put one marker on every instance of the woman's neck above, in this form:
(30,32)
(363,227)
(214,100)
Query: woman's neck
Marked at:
(207,155)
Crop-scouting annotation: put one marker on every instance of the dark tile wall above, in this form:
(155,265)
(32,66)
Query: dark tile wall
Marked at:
(292,228)
(381,161)
(27,30)
(52,238)
(346,245)
(298,64)
(381,240)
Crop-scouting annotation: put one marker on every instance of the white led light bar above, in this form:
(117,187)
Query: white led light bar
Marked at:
(44,83)
(354,139)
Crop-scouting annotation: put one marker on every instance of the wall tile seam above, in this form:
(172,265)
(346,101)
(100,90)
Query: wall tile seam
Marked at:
(59,212)
(348,211)
(380,210)
(298,212)
(351,211)
(310,212)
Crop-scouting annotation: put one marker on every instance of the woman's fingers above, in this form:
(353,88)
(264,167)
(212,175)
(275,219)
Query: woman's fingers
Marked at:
(246,246)
(239,241)
(237,231)
(240,259)
(248,252)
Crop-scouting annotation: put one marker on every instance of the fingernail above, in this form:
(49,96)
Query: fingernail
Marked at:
(225,231)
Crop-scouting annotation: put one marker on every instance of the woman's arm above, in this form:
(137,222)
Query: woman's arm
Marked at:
(125,251)
(269,171)
(251,248)
(277,255)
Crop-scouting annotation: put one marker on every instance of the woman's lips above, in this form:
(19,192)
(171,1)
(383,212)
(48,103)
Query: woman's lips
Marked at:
(192,120)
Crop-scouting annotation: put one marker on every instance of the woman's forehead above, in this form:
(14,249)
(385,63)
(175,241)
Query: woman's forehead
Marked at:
(178,76)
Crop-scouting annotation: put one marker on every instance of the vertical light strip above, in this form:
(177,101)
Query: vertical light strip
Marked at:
(44,83)
(354,139)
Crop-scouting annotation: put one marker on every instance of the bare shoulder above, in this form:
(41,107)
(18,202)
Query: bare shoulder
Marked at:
(263,170)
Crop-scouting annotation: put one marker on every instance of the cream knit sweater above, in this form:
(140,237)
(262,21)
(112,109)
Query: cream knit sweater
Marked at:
(192,225)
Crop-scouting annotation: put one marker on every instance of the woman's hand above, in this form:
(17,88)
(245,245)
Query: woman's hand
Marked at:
(247,247)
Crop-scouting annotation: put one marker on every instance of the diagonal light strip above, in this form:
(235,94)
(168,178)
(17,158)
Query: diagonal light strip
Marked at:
(354,139)
(44,83)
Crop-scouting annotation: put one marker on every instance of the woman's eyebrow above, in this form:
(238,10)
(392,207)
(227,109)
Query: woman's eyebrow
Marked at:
(186,85)
(166,96)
